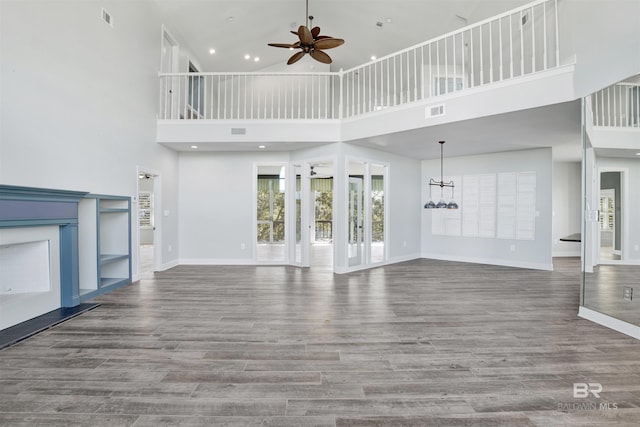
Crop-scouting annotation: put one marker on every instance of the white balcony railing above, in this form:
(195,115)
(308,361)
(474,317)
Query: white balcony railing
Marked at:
(249,96)
(516,43)
(617,105)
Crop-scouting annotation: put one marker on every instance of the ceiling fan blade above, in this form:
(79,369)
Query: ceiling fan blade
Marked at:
(320,56)
(296,57)
(329,43)
(315,32)
(305,35)
(288,46)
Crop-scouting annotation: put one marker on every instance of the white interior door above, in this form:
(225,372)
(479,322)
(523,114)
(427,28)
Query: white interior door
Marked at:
(355,241)
(300,222)
(167,66)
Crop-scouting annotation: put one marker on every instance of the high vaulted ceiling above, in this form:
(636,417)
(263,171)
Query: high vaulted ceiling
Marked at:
(235,28)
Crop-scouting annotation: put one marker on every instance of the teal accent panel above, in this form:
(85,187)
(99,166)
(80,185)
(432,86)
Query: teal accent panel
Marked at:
(69,269)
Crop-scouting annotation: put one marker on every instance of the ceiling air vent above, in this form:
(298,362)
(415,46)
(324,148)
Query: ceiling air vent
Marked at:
(106,17)
(238,131)
(434,110)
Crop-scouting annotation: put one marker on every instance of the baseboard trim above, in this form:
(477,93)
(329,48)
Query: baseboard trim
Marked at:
(168,265)
(394,260)
(610,322)
(220,261)
(490,261)
(565,254)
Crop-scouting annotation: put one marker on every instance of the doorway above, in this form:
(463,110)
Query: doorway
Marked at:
(610,217)
(147,241)
(311,230)
(321,212)
(168,64)
(366,213)
(270,211)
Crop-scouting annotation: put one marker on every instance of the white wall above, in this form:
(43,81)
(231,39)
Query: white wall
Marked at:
(605,38)
(567,187)
(79,100)
(216,205)
(528,253)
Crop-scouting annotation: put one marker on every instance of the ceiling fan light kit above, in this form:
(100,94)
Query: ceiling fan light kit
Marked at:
(310,41)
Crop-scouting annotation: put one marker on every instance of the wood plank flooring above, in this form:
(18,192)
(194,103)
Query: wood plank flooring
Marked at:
(421,343)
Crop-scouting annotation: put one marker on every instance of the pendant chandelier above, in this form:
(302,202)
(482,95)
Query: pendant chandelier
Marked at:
(441,204)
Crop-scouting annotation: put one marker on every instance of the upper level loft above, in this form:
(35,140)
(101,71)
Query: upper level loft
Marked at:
(510,62)
(613,116)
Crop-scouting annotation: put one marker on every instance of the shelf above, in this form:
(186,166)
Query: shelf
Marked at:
(106,241)
(114,210)
(109,281)
(107,258)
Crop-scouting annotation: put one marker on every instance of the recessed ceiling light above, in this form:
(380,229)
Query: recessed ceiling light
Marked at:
(195,147)
(256,59)
(389,20)
(262,146)
(212,51)
(247,56)
(230,18)
(373,57)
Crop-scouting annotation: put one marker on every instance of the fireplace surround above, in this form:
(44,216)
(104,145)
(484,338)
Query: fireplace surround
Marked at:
(39,237)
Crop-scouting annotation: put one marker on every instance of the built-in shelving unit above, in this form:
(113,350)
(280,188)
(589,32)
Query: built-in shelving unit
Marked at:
(105,244)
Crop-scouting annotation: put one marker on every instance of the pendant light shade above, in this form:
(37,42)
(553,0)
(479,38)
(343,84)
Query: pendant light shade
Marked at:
(430,205)
(441,204)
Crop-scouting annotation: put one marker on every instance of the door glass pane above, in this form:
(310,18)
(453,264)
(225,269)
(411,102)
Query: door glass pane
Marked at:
(298,215)
(355,214)
(321,213)
(270,214)
(378,173)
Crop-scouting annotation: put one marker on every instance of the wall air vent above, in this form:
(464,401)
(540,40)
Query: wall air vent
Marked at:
(106,17)
(238,131)
(434,110)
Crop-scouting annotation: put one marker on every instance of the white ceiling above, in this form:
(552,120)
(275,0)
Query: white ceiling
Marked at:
(620,153)
(556,126)
(238,27)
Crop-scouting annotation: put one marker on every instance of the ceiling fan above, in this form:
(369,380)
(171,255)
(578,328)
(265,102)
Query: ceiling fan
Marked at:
(311,42)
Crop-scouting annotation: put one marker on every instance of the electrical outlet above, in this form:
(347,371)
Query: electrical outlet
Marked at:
(243,246)
(627,294)
(513,248)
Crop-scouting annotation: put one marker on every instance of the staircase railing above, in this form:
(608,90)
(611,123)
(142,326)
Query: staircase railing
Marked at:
(617,105)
